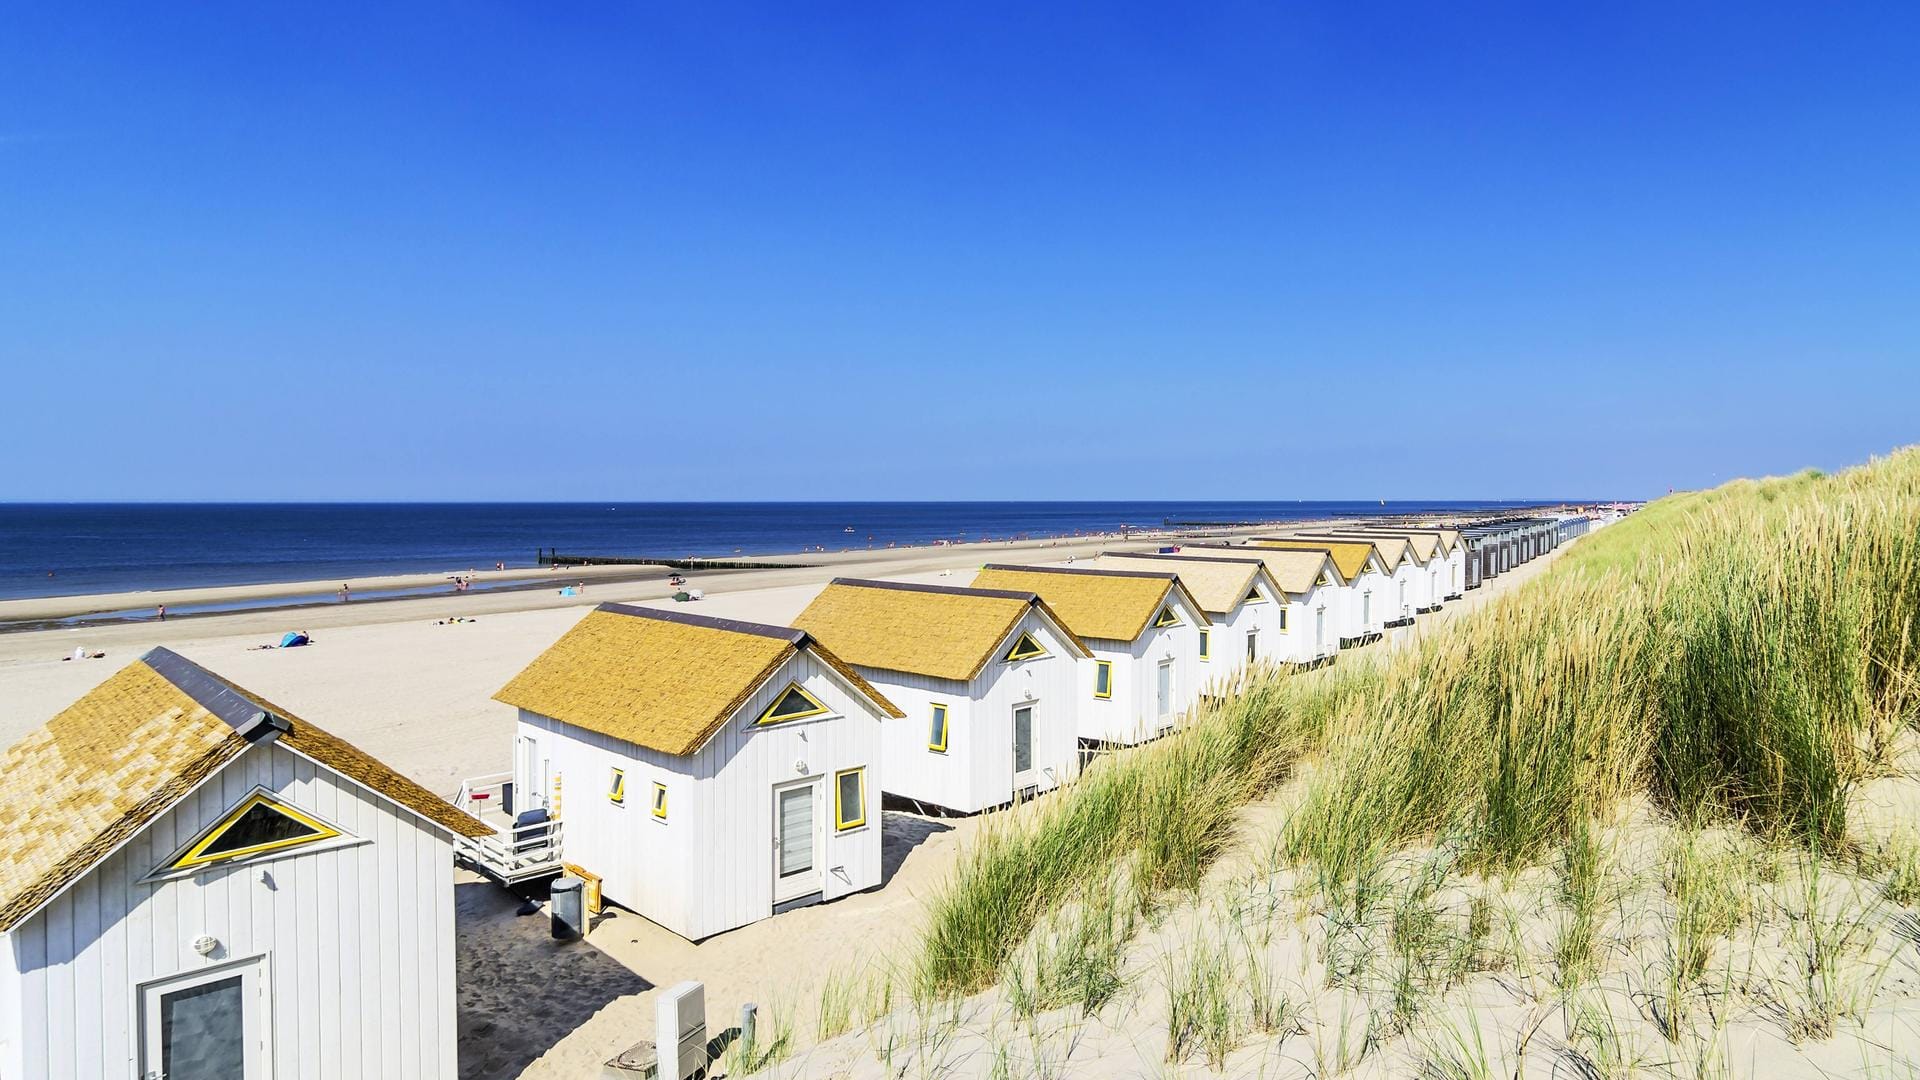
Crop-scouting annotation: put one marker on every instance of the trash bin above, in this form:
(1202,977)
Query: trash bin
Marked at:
(568,902)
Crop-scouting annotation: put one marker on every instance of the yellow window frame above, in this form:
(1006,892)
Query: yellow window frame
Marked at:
(196,855)
(841,823)
(813,703)
(1206,644)
(1167,617)
(659,801)
(617,790)
(1283,619)
(1254,596)
(1102,669)
(940,717)
(1025,648)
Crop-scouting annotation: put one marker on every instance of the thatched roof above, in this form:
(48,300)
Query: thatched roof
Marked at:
(1113,605)
(1220,586)
(1350,556)
(1420,546)
(1295,571)
(661,679)
(108,765)
(1393,549)
(936,630)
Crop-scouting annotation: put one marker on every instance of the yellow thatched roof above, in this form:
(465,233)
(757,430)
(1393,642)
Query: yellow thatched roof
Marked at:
(1393,547)
(935,630)
(1350,556)
(1295,571)
(661,679)
(1113,605)
(1218,586)
(78,787)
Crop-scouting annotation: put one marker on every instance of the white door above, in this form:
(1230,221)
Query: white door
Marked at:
(1023,718)
(1253,647)
(796,840)
(1319,631)
(1163,699)
(210,1025)
(1366,609)
(530,775)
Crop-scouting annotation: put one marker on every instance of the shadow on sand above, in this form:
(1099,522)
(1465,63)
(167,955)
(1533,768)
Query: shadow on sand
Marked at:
(512,1009)
(899,834)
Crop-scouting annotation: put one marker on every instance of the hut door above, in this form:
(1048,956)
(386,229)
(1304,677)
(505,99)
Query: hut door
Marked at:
(796,847)
(210,1025)
(1163,698)
(1023,745)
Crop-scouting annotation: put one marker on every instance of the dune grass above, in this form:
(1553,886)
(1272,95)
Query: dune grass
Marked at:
(1744,654)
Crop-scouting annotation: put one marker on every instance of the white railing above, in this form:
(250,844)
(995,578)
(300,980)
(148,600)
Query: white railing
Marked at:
(513,852)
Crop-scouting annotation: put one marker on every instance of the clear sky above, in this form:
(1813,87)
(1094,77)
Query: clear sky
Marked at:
(952,250)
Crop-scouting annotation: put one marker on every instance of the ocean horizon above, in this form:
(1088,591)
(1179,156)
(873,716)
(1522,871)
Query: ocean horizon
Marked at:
(66,549)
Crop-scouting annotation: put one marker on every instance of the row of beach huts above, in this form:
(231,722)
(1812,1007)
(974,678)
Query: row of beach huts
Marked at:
(195,883)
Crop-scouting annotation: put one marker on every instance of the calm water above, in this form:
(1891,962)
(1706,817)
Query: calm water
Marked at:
(123,547)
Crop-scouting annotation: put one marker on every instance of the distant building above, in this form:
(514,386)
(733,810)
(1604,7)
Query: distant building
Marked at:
(1314,596)
(197,883)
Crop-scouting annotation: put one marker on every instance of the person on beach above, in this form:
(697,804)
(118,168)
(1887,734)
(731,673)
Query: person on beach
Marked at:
(345,593)
(163,613)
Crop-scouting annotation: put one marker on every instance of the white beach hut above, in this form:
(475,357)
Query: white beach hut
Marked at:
(1247,611)
(1313,597)
(707,772)
(1143,629)
(1361,572)
(1401,593)
(1428,561)
(196,883)
(989,681)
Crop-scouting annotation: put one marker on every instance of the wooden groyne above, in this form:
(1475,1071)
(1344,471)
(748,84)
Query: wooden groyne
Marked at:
(553,557)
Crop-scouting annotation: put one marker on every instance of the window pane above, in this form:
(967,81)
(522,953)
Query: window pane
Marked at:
(1022,738)
(937,737)
(791,703)
(259,826)
(202,1032)
(1103,678)
(852,810)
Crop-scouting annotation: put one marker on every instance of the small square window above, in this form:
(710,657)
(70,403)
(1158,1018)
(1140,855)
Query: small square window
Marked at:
(1206,644)
(660,801)
(937,731)
(617,788)
(849,799)
(1103,678)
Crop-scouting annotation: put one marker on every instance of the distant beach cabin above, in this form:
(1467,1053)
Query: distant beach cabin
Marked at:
(1361,570)
(1247,611)
(708,772)
(989,681)
(1143,629)
(1400,594)
(195,883)
(1313,598)
(1440,561)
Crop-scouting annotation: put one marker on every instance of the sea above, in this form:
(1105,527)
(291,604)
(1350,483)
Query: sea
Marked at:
(79,548)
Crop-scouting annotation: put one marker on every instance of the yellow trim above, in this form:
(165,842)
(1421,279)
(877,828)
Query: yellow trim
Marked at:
(660,800)
(1283,620)
(196,855)
(792,688)
(840,822)
(1324,581)
(1167,617)
(940,714)
(1025,649)
(1102,667)
(1253,596)
(1206,644)
(617,791)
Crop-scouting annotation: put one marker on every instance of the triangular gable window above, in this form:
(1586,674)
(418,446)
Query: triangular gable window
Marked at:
(792,704)
(1253,596)
(259,825)
(1324,580)
(1025,649)
(1167,617)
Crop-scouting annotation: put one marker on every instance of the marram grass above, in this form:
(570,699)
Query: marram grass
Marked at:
(1744,653)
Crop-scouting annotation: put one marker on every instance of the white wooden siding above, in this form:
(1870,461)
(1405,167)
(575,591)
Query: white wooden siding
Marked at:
(358,938)
(709,868)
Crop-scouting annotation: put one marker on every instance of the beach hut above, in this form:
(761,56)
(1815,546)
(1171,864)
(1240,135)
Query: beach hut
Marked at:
(989,681)
(707,772)
(1303,627)
(1364,576)
(194,882)
(1143,629)
(1434,572)
(1246,609)
(1403,589)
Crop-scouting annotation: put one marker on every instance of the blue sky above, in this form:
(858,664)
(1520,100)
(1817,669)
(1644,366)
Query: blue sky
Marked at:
(712,251)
